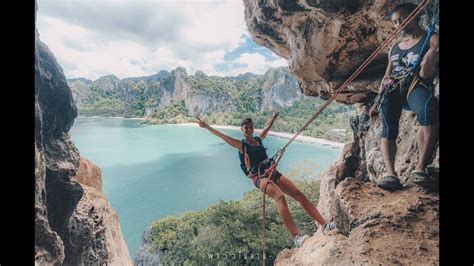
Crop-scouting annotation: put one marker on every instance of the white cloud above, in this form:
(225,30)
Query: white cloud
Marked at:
(221,26)
(254,63)
(279,63)
(128,38)
(80,56)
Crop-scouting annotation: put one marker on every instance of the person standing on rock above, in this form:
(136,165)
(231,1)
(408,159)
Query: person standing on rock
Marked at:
(411,91)
(252,155)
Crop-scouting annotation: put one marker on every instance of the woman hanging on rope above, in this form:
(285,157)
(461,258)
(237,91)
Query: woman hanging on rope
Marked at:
(252,153)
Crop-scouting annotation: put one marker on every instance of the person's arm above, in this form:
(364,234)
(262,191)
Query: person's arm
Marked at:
(429,64)
(231,141)
(269,124)
(386,80)
(247,162)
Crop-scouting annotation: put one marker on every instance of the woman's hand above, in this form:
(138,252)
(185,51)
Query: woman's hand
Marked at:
(230,140)
(269,124)
(275,114)
(387,81)
(373,111)
(201,123)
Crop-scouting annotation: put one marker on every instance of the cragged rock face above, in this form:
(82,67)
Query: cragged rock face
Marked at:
(96,235)
(376,227)
(64,232)
(325,41)
(56,157)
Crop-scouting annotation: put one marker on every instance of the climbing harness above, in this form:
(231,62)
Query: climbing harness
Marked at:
(410,75)
(277,157)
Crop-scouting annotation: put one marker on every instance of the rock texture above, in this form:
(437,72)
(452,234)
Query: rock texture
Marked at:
(74,224)
(280,90)
(94,226)
(89,174)
(145,254)
(324,42)
(81,90)
(56,158)
(379,228)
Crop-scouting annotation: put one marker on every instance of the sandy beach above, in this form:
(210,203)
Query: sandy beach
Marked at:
(115,117)
(284,135)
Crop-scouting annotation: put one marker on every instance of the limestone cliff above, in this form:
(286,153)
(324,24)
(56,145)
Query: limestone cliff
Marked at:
(143,96)
(94,224)
(74,224)
(56,158)
(280,90)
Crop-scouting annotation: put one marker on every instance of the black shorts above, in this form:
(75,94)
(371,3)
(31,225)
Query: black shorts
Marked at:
(421,101)
(256,181)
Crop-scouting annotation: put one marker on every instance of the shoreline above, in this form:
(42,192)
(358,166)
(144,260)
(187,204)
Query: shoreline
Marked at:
(121,117)
(285,135)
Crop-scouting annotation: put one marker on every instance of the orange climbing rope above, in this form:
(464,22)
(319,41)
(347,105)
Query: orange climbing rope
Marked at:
(280,153)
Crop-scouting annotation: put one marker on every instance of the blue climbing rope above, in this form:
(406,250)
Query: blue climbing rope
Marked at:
(431,30)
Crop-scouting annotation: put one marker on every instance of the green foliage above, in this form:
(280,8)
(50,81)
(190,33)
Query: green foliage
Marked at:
(248,96)
(102,111)
(229,232)
(304,169)
(101,106)
(171,114)
(215,86)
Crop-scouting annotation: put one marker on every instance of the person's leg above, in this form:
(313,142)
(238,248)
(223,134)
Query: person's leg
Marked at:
(426,107)
(287,187)
(275,193)
(427,137)
(389,152)
(390,111)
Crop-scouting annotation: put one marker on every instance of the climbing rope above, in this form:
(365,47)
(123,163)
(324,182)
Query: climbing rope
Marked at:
(431,30)
(276,158)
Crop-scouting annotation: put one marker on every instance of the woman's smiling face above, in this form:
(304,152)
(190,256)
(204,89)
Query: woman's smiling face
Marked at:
(247,129)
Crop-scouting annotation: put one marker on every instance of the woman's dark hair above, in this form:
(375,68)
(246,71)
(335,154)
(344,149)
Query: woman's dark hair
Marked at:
(405,8)
(246,121)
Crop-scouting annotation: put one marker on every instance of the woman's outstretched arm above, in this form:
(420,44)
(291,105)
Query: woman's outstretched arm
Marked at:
(231,141)
(269,124)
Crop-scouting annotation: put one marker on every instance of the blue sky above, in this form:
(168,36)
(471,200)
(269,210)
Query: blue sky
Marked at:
(248,47)
(136,38)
